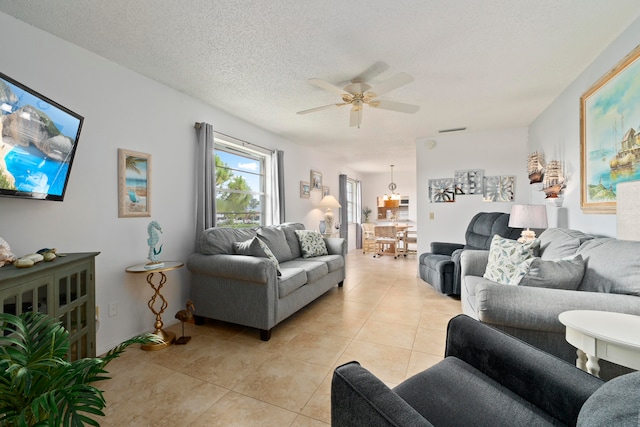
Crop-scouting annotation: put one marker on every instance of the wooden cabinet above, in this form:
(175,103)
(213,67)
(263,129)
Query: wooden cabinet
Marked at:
(64,289)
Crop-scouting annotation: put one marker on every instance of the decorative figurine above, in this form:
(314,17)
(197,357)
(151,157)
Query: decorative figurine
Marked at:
(152,241)
(6,256)
(185,316)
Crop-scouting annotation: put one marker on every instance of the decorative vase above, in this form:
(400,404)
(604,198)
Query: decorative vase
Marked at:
(323,227)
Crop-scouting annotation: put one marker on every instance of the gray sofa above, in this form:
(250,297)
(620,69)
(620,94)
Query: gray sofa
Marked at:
(486,379)
(611,282)
(248,290)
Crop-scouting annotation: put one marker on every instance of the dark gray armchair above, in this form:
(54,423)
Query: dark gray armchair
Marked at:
(441,267)
(488,378)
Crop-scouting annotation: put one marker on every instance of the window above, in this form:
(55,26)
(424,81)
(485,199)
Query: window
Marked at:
(351,201)
(241,177)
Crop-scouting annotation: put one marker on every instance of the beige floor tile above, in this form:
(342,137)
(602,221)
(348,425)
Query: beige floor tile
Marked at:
(387,363)
(385,333)
(384,316)
(242,411)
(284,382)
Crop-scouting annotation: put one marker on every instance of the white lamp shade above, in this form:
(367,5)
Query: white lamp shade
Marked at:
(329,202)
(528,216)
(628,210)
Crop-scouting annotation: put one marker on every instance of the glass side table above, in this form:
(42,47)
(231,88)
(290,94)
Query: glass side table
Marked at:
(168,338)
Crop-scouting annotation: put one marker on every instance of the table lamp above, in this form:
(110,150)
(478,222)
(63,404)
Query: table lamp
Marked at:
(329,202)
(528,216)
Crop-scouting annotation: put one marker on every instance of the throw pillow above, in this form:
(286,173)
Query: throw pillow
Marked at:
(277,241)
(256,247)
(311,243)
(562,274)
(505,255)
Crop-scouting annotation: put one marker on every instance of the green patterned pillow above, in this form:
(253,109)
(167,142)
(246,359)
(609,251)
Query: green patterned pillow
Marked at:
(311,243)
(505,255)
(256,247)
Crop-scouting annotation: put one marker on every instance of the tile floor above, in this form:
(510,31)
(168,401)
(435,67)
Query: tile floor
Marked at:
(385,317)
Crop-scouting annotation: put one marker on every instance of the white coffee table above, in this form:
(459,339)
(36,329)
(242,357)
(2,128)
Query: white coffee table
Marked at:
(603,335)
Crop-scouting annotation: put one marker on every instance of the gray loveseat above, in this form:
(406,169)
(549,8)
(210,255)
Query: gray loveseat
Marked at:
(611,282)
(248,290)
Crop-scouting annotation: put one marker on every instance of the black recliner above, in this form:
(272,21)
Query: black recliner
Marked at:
(441,267)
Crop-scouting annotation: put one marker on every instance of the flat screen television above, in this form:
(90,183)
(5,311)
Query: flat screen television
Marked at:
(38,145)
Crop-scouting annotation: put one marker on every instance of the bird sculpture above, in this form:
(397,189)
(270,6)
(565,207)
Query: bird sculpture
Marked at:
(153,240)
(185,316)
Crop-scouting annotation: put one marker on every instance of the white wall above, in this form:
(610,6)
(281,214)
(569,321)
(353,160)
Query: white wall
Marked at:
(500,152)
(123,109)
(556,132)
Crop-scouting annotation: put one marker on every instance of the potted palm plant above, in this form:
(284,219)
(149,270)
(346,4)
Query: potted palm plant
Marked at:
(38,387)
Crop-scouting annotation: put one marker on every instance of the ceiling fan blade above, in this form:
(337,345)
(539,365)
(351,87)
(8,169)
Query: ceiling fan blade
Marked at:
(355,118)
(323,84)
(325,107)
(395,106)
(394,82)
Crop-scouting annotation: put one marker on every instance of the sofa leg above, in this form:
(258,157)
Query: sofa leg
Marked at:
(198,320)
(340,284)
(265,335)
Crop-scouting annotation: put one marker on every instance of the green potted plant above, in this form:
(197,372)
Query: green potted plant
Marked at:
(38,387)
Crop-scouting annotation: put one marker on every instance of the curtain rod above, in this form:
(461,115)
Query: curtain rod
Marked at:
(197,125)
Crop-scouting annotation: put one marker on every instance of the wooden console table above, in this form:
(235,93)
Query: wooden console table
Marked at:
(64,289)
(603,335)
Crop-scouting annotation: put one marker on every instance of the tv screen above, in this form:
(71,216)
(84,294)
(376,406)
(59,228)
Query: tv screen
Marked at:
(39,142)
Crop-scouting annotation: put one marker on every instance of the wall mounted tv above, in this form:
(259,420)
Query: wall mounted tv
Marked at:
(39,142)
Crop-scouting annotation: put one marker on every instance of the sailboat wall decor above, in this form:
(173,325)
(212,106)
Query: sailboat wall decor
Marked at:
(554,180)
(535,167)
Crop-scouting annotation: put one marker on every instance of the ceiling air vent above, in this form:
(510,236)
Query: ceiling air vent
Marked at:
(452,130)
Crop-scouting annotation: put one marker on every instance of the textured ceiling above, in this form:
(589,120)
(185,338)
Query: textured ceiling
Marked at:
(486,64)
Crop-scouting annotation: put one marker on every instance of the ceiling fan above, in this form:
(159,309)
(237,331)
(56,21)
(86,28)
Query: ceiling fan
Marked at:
(358,94)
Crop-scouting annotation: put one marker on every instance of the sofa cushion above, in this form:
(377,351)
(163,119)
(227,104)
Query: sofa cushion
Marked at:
(472,390)
(311,243)
(289,229)
(562,274)
(292,278)
(558,243)
(505,255)
(256,247)
(612,266)
(315,270)
(274,238)
(219,240)
(334,262)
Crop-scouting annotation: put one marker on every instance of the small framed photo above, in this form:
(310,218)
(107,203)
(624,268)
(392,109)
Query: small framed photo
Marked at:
(305,190)
(316,180)
(134,184)
(325,191)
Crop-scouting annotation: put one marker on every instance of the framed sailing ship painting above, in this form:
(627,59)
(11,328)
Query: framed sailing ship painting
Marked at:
(610,135)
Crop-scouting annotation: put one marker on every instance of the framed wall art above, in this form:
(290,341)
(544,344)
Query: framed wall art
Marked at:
(325,191)
(442,190)
(305,190)
(499,188)
(316,180)
(134,184)
(609,144)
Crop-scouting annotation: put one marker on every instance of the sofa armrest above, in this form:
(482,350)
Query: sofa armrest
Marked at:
(473,262)
(542,379)
(336,245)
(538,309)
(238,267)
(443,248)
(358,398)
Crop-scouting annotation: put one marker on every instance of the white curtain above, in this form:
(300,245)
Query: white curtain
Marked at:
(276,201)
(358,218)
(205,180)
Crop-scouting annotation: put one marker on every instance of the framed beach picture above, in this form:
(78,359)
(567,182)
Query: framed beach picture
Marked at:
(609,142)
(134,184)
(325,191)
(316,180)
(305,190)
